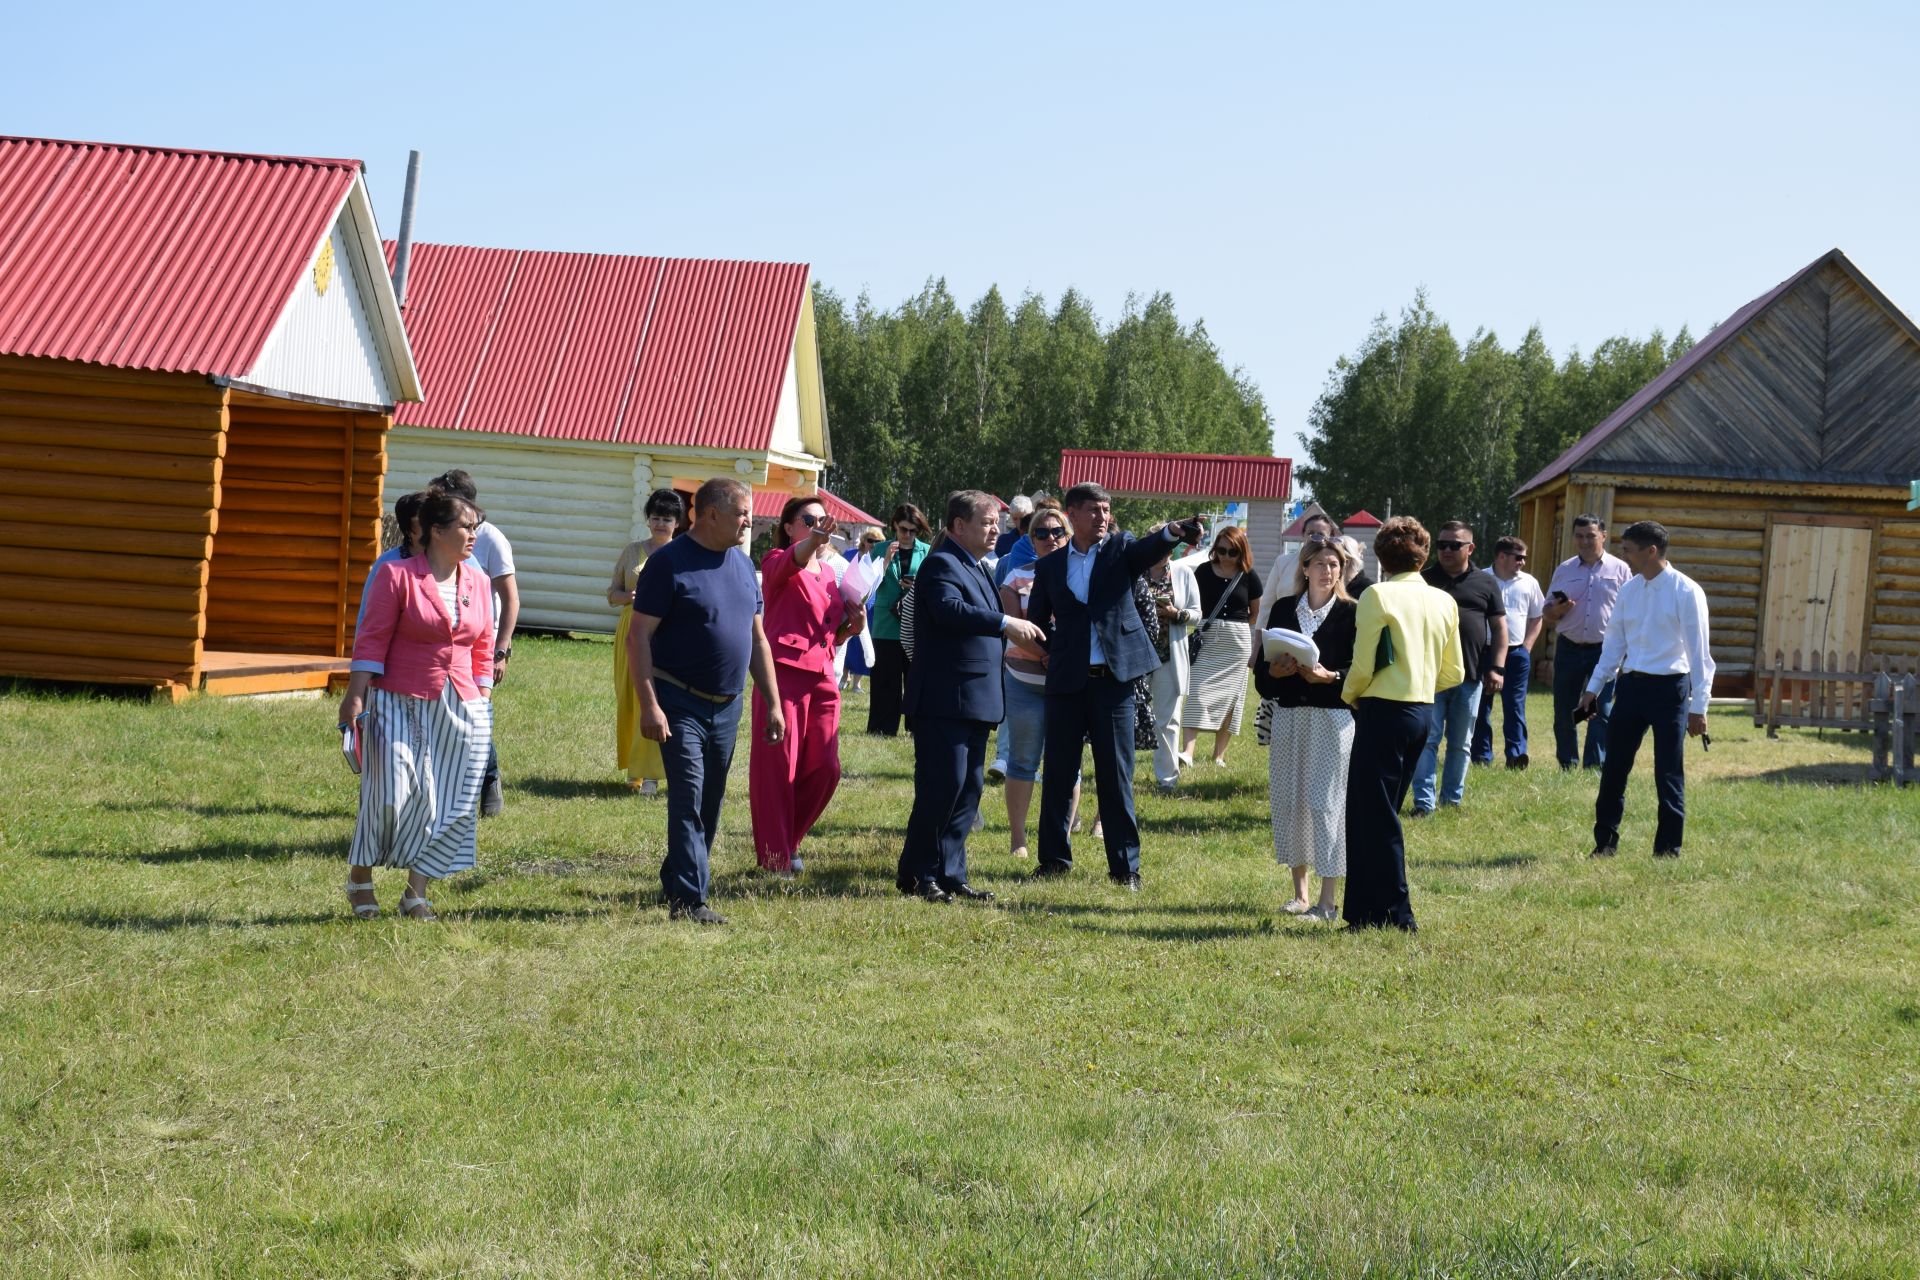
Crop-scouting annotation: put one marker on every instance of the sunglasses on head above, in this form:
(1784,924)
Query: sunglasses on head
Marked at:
(1451,544)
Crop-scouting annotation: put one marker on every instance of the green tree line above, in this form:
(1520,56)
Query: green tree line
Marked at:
(1445,430)
(928,397)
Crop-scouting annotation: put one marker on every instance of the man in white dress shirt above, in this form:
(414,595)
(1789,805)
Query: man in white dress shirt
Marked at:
(1657,643)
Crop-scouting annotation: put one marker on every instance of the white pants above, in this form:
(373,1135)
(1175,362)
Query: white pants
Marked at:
(1168,695)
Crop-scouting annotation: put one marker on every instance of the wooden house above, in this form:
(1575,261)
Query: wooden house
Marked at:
(1264,484)
(571,385)
(1777,451)
(200,354)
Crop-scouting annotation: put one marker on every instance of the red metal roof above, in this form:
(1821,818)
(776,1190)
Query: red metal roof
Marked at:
(1361,519)
(1179,475)
(596,346)
(155,258)
(767,505)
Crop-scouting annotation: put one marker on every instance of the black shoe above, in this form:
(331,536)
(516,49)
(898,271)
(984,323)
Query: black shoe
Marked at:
(698,912)
(1131,883)
(1048,870)
(1518,762)
(1421,813)
(492,799)
(961,889)
(928,890)
(1666,853)
(1603,851)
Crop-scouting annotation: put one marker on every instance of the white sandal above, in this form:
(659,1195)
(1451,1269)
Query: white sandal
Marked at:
(362,910)
(409,900)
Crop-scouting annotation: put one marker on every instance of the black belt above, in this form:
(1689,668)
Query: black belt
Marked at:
(1578,644)
(683,686)
(1652,675)
(1098,671)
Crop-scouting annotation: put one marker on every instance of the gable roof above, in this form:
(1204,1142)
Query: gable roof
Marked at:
(604,347)
(1361,519)
(1179,475)
(165,259)
(1299,525)
(768,503)
(1703,351)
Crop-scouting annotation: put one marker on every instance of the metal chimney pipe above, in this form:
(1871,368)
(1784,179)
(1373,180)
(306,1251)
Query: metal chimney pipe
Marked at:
(404,247)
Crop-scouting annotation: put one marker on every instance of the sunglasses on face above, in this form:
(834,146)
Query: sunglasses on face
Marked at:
(810,520)
(1451,544)
(1052,534)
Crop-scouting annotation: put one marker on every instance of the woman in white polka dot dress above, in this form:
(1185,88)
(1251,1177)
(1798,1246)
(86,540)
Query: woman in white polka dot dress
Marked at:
(1311,733)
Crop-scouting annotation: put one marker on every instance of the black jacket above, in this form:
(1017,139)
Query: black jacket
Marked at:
(1335,638)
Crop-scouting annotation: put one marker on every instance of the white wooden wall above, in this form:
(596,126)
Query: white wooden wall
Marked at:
(1266,520)
(567,510)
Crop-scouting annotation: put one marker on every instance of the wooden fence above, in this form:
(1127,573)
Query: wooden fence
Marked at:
(1831,693)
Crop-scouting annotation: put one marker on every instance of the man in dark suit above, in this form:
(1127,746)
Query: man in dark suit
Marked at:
(1096,648)
(954,697)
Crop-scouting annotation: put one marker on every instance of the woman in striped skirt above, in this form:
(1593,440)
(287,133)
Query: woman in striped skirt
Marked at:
(1229,600)
(422,677)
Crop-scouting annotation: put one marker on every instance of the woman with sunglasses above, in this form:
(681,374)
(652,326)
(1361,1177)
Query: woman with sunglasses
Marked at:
(1023,734)
(635,753)
(1229,600)
(912,540)
(789,782)
(1310,731)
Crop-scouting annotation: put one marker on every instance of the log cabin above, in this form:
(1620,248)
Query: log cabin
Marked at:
(1777,452)
(200,353)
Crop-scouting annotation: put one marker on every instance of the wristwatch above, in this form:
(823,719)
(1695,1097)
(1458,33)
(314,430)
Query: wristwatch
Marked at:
(504,653)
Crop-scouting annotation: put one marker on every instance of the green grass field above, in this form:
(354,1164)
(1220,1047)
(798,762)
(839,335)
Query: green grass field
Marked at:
(207,1068)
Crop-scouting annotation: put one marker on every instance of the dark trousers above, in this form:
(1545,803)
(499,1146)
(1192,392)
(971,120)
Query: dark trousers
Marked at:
(949,772)
(1101,715)
(1388,738)
(697,754)
(1658,703)
(887,687)
(1573,666)
(1513,708)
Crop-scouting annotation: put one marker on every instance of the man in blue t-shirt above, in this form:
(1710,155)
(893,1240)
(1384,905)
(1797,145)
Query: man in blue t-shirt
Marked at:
(696,634)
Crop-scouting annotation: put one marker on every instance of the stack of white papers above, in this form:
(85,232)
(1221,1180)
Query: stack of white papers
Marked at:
(1279,642)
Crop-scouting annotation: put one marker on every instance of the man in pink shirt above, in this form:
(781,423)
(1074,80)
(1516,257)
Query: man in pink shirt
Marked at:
(1579,604)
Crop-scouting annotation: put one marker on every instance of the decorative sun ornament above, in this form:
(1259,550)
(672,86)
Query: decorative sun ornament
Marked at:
(323,268)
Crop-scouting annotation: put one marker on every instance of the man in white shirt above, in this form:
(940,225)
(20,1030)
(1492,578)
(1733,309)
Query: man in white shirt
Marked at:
(1657,643)
(1526,614)
(495,555)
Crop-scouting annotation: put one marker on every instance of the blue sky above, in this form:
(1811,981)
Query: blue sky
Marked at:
(1285,171)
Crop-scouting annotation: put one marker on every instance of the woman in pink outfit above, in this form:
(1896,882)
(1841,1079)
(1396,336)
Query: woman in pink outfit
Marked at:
(789,782)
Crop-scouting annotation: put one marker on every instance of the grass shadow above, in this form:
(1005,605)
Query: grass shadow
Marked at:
(1850,774)
(95,918)
(215,851)
(1492,862)
(571,788)
(236,810)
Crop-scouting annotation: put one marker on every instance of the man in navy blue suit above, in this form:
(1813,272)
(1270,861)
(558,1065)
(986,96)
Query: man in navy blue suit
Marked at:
(1097,647)
(954,697)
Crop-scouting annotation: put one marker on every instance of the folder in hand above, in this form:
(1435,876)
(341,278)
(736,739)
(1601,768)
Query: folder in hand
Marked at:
(350,742)
(1383,656)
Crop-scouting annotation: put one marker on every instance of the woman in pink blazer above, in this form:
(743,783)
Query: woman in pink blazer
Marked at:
(422,675)
(789,782)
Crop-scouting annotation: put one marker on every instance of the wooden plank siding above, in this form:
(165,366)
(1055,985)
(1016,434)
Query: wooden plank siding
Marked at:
(299,526)
(110,485)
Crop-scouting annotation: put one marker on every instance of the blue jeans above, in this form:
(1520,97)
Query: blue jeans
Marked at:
(1023,734)
(697,753)
(1452,719)
(1513,704)
(1573,666)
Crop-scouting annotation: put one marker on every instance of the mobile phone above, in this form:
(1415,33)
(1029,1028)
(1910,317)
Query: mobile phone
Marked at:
(1581,713)
(1559,595)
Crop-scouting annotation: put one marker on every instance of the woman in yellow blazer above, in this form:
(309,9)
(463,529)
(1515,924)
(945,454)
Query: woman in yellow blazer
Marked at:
(1406,648)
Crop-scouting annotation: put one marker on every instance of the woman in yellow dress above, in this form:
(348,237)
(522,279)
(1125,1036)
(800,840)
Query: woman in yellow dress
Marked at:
(638,755)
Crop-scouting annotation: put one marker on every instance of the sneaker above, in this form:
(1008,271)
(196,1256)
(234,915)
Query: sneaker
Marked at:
(997,771)
(796,866)
(1167,788)
(649,787)
(1298,907)
(492,799)
(1020,851)
(1321,913)
(698,912)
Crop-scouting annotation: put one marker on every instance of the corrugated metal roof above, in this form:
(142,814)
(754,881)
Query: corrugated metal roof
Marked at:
(154,258)
(1361,519)
(592,346)
(767,505)
(1179,475)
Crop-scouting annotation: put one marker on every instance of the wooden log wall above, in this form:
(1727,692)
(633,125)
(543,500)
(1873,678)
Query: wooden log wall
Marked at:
(1895,625)
(109,493)
(299,526)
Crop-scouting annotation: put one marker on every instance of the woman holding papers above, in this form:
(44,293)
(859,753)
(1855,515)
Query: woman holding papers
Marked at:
(1312,729)
(634,752)
(1406,647)
(807,616)
(422,676)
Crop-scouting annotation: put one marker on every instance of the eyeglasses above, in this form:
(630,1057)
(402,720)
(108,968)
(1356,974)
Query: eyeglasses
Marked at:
(1319,542)
(810,520)
(1053,533)
(1451,544)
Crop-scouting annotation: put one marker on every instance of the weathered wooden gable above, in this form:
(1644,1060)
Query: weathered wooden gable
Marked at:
(1823,384)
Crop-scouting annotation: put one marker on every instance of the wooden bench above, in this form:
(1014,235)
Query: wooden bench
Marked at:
(1828,693)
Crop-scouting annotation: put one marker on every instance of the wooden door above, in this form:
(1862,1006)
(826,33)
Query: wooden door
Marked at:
(1819,571)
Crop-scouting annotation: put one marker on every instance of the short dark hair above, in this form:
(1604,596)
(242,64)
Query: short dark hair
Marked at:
(456,482)
(406,509)
(666,502)
(1401,546)
(907,513)
(965,504)
(1511,546)
(1458,526)
(1646,533)
(1584,519)
(739,493)
(1084,492)
(789,513)
(440,507)
(1319,517)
